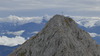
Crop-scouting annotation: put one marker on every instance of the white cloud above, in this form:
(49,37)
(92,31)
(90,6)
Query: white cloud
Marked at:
(4,40)
(47,17)
(35,32)
(18,33)
(21,20)
(24,20)
(94,35)
(92,5)
(87,22)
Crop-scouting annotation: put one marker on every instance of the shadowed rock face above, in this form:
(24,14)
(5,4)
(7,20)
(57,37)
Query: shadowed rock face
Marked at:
(60,37)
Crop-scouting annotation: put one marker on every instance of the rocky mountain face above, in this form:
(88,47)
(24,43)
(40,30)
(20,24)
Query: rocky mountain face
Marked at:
(60,37)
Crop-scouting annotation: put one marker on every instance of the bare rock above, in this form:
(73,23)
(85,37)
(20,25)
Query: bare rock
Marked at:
(60,37)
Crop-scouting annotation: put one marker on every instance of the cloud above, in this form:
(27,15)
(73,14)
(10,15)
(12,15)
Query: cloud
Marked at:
(47,17)
(94,35)
(18,33)
(21,20)
(35,32)
(79,5)
(87,22)
(4,40)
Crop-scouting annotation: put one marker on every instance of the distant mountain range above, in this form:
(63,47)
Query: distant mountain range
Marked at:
(5,50)
(60,37)
(20,28)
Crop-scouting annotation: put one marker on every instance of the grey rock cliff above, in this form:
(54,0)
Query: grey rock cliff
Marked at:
(60,37)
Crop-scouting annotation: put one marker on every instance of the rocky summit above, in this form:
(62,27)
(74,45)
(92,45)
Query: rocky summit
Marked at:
(60,37)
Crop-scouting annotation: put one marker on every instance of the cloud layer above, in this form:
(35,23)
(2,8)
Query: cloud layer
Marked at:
(79,5)
(23,20)
(94,35)
(35,32)
(4,40)
(13,41)
(18,33)
(87,22)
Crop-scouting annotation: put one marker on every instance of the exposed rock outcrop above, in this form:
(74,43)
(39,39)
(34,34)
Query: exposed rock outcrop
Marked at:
(60,37)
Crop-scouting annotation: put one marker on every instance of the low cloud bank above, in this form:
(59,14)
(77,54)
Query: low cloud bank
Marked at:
(7,41)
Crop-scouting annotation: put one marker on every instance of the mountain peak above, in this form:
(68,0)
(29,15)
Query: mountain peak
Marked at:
(61,18)
(60,37)
(60,21)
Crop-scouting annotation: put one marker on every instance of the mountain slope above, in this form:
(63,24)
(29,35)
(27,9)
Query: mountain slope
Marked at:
(60,37)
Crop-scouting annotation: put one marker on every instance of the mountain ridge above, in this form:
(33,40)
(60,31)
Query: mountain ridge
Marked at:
(60,37)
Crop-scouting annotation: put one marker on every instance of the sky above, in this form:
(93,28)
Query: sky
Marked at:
(51,7)
(85,12)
